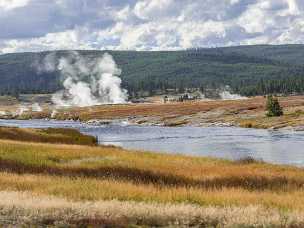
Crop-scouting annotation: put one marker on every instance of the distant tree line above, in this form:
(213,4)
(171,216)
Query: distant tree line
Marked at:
(248,70)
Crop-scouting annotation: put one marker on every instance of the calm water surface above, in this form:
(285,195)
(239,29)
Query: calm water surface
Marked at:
(281,147)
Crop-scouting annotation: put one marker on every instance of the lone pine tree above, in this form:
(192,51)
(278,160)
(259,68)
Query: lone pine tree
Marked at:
(273,107)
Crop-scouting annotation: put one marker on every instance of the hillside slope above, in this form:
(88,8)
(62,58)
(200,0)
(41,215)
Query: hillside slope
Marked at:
(249,70)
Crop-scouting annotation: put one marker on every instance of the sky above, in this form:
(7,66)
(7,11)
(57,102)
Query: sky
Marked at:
(38,25)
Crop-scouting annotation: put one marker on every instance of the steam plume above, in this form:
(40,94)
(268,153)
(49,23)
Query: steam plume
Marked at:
(36,107)
(3,113)
(226,94)
(53,114)
(87,81)
(21,110)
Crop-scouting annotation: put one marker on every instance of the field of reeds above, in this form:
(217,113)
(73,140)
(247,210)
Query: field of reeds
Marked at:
(57,184)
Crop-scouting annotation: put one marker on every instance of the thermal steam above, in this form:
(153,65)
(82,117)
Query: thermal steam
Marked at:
(87,81)
(36,107)
(226,95)
(53,114)
(21,110)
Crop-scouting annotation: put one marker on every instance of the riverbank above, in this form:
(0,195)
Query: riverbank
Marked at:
(55,184)
(244,113)
(50,135)
(221,142)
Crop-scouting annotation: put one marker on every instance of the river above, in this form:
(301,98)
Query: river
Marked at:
(279,146)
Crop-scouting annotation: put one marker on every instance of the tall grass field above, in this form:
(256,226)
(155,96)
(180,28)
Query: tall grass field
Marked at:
(56,184)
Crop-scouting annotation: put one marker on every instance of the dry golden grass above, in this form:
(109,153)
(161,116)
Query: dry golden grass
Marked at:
(50,135)
(293,117)
(113,179)
(43,210)
(97,173)
(92,189)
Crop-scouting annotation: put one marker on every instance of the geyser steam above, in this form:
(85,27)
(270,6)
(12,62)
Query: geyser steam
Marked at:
(226,94)
(88,81)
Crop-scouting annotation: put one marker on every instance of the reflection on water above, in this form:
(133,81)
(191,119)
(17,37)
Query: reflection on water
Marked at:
(282,147)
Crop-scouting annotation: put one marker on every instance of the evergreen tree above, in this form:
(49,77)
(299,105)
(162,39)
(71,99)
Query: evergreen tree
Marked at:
(273,107)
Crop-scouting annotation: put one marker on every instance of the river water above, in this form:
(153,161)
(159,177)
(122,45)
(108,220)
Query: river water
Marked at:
(279,147)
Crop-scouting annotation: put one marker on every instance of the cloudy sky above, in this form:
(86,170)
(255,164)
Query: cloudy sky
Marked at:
(36,25)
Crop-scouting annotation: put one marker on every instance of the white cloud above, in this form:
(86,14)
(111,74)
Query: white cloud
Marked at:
(151,9)
(293,34)
(123,14)
(12,4)
(293,7)
(155,24)
(256,18)
(71,39)
(234,1)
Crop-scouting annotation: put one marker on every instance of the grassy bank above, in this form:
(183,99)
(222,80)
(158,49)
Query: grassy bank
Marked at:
(93,182)
(292,118)
(50,135)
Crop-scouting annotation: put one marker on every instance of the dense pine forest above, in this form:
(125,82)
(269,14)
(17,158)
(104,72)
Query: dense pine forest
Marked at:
(248,70)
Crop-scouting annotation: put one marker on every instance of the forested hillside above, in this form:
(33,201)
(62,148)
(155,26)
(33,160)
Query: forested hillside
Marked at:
(248,70)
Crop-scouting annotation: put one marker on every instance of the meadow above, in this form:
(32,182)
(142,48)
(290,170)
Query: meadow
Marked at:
(59,184)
